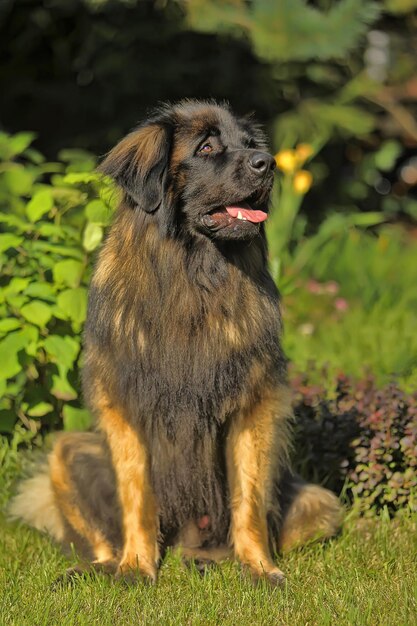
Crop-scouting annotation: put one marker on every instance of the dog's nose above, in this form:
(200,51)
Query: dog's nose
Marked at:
(261,162)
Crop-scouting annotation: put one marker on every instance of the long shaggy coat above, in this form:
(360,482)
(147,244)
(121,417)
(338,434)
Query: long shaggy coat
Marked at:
(184,369)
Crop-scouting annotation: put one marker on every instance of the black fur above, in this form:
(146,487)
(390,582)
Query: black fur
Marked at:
(178,284)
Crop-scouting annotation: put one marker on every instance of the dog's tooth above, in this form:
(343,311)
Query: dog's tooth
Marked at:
(239,215)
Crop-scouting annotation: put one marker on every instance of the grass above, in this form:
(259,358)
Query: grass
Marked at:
(370,322)
(368,575)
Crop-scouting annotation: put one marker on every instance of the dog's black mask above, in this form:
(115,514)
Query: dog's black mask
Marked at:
(198,170)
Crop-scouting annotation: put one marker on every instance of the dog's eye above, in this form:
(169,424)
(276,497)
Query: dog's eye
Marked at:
(206,148)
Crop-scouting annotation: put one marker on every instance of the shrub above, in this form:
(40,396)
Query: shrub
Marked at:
(51,221)
(360,437)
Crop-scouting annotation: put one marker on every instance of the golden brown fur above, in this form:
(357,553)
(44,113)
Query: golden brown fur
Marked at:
(184,369)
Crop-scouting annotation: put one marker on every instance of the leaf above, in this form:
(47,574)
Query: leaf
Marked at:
(12,145)
(19,142)
(351,118)
(40,409)
(10,365)
(372,218)
(73,304)
(68,272)
(288,30)
(45,291)
(61,388)
(46,229)
(400,6)
(19,180)
(51,168)
(59,313)
(34,155)
(7,420)
(17,222)
(10,346)
(387,155)
(37,312)
(76,419)
(82,177)
(41,203)
(63,350)
(16,301)
(32,348)
(9,324)
(75,154)
(66,251)
(16,285)
(93,234)
(97,212)
(109,193)
(7,240)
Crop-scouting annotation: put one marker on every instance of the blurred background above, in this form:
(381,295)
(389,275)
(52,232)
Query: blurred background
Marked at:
(335,84)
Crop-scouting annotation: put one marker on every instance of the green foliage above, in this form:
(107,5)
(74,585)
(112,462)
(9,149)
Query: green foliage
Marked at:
(51,221)
(288,29)
(366,576)
(360,311)
(400,6)
(16,455)
(362,437)
(296,39)
(341,78)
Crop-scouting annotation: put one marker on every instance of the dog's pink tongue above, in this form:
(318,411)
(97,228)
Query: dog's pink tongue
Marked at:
(247,213)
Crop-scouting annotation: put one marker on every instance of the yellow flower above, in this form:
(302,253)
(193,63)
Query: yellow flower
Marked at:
(303,151)
(302,181)
(286,160)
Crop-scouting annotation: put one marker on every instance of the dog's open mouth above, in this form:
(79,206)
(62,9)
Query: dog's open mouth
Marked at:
(227,215)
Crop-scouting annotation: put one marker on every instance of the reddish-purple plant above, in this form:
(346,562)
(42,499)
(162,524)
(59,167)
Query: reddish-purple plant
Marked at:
(360,436)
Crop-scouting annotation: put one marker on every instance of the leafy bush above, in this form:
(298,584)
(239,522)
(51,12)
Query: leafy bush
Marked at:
(51,221)
(360,437)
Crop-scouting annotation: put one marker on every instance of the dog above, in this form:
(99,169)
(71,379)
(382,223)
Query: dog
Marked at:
(184,369)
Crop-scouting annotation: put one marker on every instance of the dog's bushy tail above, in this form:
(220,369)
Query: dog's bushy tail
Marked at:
(35,504)
(310,512)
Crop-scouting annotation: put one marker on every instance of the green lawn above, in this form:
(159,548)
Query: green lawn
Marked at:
(366,576)
(375,278)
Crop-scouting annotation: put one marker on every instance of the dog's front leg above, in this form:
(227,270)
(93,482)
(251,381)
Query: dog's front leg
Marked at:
(139,511)
(256,447)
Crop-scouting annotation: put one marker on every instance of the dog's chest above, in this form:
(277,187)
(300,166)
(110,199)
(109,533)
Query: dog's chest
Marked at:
(204,365)
(180,349)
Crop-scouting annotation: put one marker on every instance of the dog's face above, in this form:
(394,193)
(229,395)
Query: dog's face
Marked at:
(198,170)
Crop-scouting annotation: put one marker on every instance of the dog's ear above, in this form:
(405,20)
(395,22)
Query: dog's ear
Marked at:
(139,162)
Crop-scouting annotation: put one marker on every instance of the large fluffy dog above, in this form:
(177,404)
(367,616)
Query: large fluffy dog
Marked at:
(183,365)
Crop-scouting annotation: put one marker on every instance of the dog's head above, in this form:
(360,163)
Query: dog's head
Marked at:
(198,170)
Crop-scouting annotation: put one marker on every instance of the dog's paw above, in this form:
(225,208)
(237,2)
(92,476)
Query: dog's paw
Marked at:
(202,566)
(274,577)
(70,576)
(132,573)
(83,570)
(105,567)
